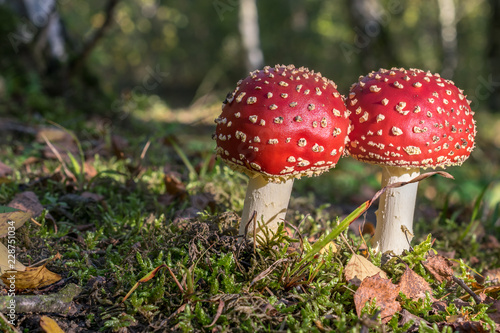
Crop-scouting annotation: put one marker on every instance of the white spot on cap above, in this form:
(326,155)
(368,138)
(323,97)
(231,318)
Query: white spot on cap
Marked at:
(317,148)
(272,141)
(278,120)
(255,166)
(385,101)
(375,89)
(298,88)
(269,94)
(283,84)
(303,163)
(291,159)
(380,117)
(251,100)
(240,97)
(396,131)
(262,122)
(302,142)
(253,119)
(293,104)
(336,112)
(284,95)
(273,107)
(324,122)
(417,84)
(412,150)
(364,117)
(311,107)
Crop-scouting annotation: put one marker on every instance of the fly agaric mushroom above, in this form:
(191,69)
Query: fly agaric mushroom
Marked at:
(405,120)
(279,124)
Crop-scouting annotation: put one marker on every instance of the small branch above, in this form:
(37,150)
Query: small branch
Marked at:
(80,59)
(467,289)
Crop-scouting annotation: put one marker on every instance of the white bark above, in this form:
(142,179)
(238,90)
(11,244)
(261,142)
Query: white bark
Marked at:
(447,19)
(249,31)
(394,228)
(269,201)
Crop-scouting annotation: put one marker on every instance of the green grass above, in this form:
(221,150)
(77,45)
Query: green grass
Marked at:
(212,281)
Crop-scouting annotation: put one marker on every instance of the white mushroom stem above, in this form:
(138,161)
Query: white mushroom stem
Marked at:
(269,201)
(394,228)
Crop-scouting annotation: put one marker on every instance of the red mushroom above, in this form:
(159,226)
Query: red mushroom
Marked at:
(279,124)
(405,120)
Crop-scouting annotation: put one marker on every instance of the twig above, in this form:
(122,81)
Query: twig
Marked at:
(462,284)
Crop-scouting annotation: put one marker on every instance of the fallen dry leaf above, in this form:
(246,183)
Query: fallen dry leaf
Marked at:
(27,201)
(31,278)
(413,285)
(9,262)
(464,326)
(174,185)
(5,170)
(439,267)
(494,312)
(11,217)
(358,268)
(118,145)
(49,325)
(492,275)
(381,289)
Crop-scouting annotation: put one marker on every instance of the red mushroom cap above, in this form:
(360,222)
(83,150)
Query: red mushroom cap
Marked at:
(282,122)
(409,118)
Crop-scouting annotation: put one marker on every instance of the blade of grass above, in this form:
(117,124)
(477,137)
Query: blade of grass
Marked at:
(475,212)
(187,163)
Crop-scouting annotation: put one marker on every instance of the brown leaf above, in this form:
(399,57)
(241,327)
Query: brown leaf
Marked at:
(460,325)
(31,278)
(413,285)
(27,201)
(495,314)
(492,275)
(118,145)
(5,170)
(174,185)
(358,268)
(9,261)
(59,143)
(9,217)
(385,293)
(439,267)
(49,325)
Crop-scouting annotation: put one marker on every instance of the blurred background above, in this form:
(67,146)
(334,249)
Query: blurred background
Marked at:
(161,68)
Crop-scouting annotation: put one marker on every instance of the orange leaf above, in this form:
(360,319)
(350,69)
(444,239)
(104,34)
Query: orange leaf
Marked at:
(31,278)
(146,278)
(49,325)
(385,293)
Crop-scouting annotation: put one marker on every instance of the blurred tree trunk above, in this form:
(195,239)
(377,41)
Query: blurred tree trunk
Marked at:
(447,20)
(494,55)
(372,41)
(47,31)
(249,30)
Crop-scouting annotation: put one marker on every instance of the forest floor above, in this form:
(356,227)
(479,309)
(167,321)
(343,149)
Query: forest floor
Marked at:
(131,225)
